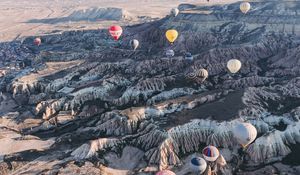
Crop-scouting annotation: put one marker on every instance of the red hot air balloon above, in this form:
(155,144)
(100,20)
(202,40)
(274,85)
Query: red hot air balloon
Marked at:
(115,32)
(37,41)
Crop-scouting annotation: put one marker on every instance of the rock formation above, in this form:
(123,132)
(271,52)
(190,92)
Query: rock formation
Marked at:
(87,102)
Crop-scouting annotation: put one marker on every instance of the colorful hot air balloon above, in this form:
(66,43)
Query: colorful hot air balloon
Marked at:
(245,7)
(189,56)
(37,41)
(170,53)
(165,172)
(134,44)
(198,165)
(210,153)
(245,133)
(115,32)
(174,12)
(234,65)
(171,35)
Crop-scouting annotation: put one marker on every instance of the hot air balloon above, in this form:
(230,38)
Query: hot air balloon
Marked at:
(198,75)
(37,41)
(202,74)
(170,53)
(208,171)
(198,165)
(245,7)
(189,56)
(210,153)
(171,35)
(174,12)
(191,75)
(134,44)
(115,32)
(165,172)
(221,161)
(234,65)
(245,133)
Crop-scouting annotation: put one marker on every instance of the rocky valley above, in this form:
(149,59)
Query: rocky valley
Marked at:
(81,103)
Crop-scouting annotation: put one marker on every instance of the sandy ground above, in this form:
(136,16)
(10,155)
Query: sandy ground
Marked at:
(17,143)
(22,145)
(14,15)
(51,68)
(130,158)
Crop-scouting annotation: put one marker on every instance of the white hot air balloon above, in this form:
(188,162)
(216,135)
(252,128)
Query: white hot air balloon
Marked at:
(174,12)
(170,53)
(210,153)
(234,65)
(198,165)
(245,133)
(134,44)
(245,7)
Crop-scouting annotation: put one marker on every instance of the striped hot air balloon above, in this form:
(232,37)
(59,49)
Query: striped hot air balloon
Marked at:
(210,153)
(202,74)
(197,75)
(115,32)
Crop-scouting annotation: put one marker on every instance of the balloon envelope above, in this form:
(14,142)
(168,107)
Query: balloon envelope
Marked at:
(170,53)
(134,44)
(245,133)
(202,74)
(198,165)
(234,65)
(189,56)
(198,75)
(37,41)
(174,12)
(210,153)
(115,32)
(171,35)
(165,172)
(221,161)
(245,7)
(208,170)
